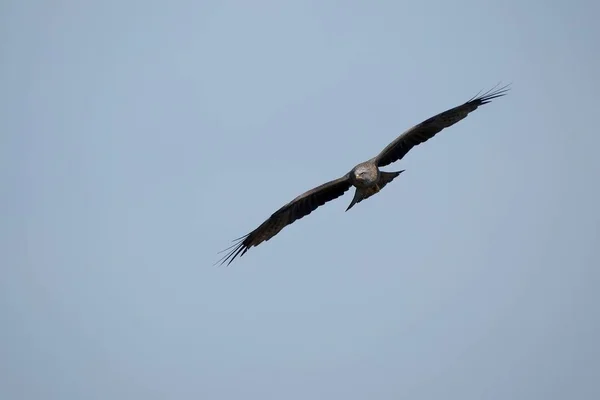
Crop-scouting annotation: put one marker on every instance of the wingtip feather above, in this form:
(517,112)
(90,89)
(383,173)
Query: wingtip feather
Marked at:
(489,95)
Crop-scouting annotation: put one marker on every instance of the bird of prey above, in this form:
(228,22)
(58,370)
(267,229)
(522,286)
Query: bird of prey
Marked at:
(366,177)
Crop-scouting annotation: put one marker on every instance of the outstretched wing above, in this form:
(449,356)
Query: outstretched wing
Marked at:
(429,128)
(294,210)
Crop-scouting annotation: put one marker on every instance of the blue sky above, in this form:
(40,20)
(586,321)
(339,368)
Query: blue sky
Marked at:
(139,138)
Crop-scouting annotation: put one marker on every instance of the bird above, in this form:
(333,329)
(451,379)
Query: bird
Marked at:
(366,177)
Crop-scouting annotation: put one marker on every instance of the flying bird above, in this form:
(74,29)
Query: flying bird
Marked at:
(366,177)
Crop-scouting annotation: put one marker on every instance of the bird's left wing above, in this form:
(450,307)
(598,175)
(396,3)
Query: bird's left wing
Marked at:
(430,127)
(300,207)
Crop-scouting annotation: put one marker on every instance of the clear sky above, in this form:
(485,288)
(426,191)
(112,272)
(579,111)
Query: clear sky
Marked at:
(138,138)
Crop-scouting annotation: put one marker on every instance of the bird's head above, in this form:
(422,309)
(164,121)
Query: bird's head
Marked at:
(363,173)
(358,174)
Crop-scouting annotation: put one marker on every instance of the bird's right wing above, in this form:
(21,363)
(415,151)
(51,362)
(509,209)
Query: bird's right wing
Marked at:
(430,127)
(300,207)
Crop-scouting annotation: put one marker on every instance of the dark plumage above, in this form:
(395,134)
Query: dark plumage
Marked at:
(365,177)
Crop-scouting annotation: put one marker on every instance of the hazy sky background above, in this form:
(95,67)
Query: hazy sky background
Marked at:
(139,137)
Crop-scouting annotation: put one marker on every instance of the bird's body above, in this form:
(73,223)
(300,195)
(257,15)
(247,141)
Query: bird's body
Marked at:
(368,180)
(366,177)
